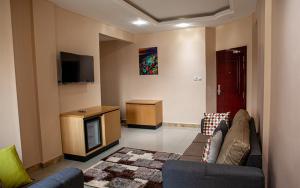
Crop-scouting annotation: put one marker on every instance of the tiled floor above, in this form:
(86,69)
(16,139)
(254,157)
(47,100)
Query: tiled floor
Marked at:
(167,138)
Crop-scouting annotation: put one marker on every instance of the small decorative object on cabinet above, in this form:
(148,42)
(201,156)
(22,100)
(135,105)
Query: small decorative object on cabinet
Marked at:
(144,113)
(88,132)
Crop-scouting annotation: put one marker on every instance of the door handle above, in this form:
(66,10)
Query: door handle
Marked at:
(219,89)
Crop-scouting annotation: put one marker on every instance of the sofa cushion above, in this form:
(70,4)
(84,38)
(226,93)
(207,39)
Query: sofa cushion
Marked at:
(12,173)
(215,147)
(195,149)
(200,138)
(241,114)
(223,127)
(211,122)
(236,145)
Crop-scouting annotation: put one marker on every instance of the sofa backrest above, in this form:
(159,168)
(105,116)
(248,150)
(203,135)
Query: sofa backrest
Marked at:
(255,156)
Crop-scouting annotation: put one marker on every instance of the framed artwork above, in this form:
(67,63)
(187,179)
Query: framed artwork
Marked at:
(148,63)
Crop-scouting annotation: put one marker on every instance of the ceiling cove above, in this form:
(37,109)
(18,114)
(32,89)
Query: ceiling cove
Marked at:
(225,7)
(159,15)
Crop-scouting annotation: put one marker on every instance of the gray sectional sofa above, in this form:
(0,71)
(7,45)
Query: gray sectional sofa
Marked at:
(68,178)
(190,172)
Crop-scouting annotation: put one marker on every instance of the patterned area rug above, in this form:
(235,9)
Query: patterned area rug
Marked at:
(129,168)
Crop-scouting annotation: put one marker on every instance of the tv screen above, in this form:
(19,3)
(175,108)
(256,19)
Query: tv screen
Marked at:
(76,68)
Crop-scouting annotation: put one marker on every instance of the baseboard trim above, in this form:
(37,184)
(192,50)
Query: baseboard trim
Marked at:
(123,121)
(52,161)
(144,126)
(182,125)
(45,164)
(34,168)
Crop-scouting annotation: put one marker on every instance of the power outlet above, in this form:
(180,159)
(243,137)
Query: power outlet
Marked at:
(197,78)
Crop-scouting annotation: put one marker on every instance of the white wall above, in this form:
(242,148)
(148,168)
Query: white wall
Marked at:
(181,56)
(9,124)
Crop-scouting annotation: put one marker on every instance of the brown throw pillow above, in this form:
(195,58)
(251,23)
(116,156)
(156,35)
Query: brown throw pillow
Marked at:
(241,114)
(236,145)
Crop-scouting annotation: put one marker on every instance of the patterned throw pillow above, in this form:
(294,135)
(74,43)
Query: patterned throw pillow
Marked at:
(206,151)
(212,120)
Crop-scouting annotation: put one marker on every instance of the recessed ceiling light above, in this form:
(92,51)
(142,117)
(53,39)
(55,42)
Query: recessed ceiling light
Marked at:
(140,22)
(182,25)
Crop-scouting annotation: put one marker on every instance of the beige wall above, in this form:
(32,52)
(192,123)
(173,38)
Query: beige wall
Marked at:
(278,62)
(267,88)
(84,39)
(46,75)
(181,56)
(236,34)
(255,71)
(284,150)
(260,14)
(260,20)
(40,31)
(9,126)
(211,67)
(26,81)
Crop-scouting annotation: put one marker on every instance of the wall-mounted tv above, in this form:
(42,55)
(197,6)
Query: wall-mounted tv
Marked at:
(76,68)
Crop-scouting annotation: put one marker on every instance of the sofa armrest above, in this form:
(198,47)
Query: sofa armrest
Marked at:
(179,174)
(68,178)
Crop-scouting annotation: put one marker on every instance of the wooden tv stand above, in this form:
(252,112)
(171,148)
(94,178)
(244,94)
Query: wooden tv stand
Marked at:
(73,130)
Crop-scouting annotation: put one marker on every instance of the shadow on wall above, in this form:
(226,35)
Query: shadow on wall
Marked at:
(110,75)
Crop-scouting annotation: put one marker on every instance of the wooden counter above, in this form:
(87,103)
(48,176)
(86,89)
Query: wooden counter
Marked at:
(74,131)
(144,102)
(89,112)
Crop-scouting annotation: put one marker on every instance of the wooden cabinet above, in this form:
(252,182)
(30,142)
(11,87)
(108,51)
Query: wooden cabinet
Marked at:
(111,127)
(144,113)
(103,120)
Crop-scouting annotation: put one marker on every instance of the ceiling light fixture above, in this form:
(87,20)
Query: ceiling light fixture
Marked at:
(183,25)
(140,22)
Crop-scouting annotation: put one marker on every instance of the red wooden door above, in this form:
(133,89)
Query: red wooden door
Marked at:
(231,80)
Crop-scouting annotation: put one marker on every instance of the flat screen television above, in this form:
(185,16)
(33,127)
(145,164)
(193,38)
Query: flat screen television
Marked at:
(76,68)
